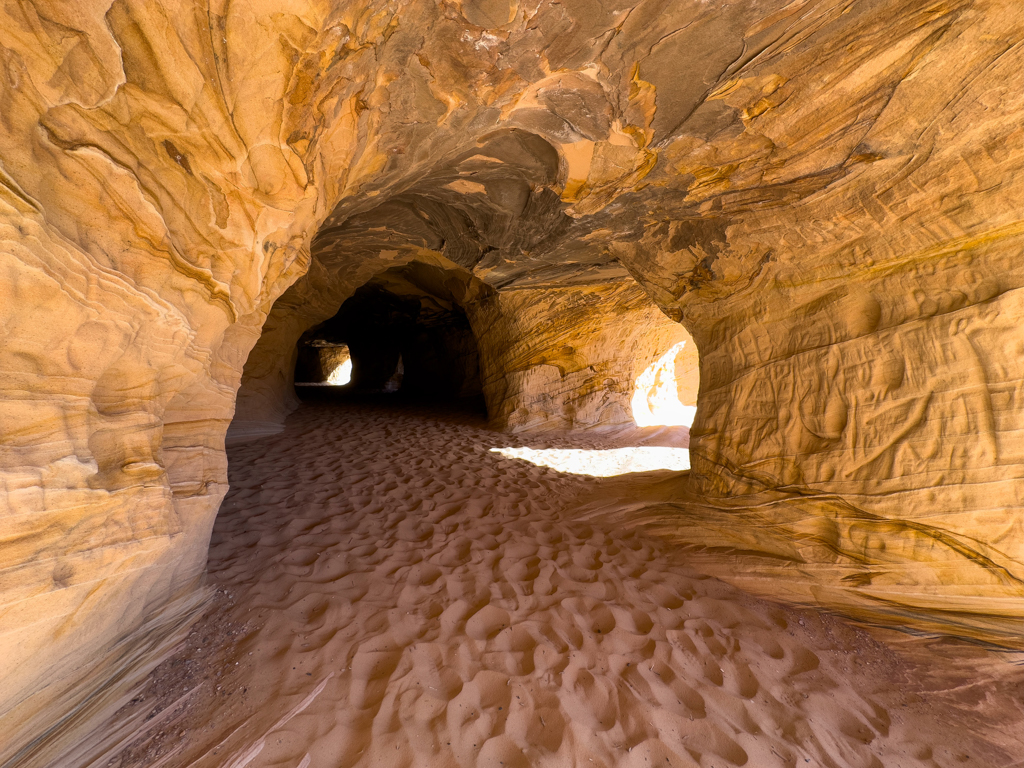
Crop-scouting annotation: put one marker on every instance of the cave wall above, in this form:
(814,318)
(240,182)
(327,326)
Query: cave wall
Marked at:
(827,195)
(442,361)
(266,393)
(568,358)
(140,253)
(860,420)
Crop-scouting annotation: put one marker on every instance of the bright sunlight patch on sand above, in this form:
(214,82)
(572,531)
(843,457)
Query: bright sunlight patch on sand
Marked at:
(602,463)
(656,397)
(342,374)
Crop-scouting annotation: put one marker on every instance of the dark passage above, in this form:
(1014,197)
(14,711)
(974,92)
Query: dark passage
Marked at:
(405,333)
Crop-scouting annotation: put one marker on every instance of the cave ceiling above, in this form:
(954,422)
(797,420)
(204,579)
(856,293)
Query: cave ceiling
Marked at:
(543,149)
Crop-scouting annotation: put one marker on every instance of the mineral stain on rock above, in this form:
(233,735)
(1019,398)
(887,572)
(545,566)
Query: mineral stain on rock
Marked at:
(177,156)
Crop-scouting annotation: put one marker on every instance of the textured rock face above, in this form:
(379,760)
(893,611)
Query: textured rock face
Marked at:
(827,196)
(569,358)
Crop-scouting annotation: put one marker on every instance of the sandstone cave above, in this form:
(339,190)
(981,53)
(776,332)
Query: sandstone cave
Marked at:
(401,334)
(487,383)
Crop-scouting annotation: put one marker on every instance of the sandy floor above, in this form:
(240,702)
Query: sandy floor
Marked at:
(391,592)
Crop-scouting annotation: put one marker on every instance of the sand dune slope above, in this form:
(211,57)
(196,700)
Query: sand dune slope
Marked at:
(394,593)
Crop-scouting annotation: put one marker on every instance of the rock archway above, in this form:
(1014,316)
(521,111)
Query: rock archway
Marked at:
(827,196)
(405,318)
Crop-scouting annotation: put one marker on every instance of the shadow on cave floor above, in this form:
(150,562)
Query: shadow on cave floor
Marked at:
(599,452)
(390,591)
(470,409)
(473,411)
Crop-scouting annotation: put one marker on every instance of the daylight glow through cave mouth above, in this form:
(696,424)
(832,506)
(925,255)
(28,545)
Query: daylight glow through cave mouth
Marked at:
(342,374)
(655,400)
(602,463)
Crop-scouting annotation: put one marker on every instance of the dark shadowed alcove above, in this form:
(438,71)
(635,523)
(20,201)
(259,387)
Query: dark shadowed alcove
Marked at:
(404,332)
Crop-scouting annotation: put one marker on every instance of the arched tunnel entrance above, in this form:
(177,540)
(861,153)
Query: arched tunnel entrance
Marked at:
(608,361)
(403,332)
(603,365)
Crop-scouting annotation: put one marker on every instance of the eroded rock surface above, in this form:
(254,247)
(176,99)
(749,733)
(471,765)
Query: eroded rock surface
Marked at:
(827,195)
(569,358)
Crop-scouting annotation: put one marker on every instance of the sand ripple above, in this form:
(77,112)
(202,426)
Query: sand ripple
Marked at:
(411,598)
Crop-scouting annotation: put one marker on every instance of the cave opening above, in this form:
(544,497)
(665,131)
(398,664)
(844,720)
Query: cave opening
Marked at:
(401,333)
(603,368)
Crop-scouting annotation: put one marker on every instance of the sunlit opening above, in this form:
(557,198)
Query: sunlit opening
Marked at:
(656,397)
(602,463)
(342,374)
